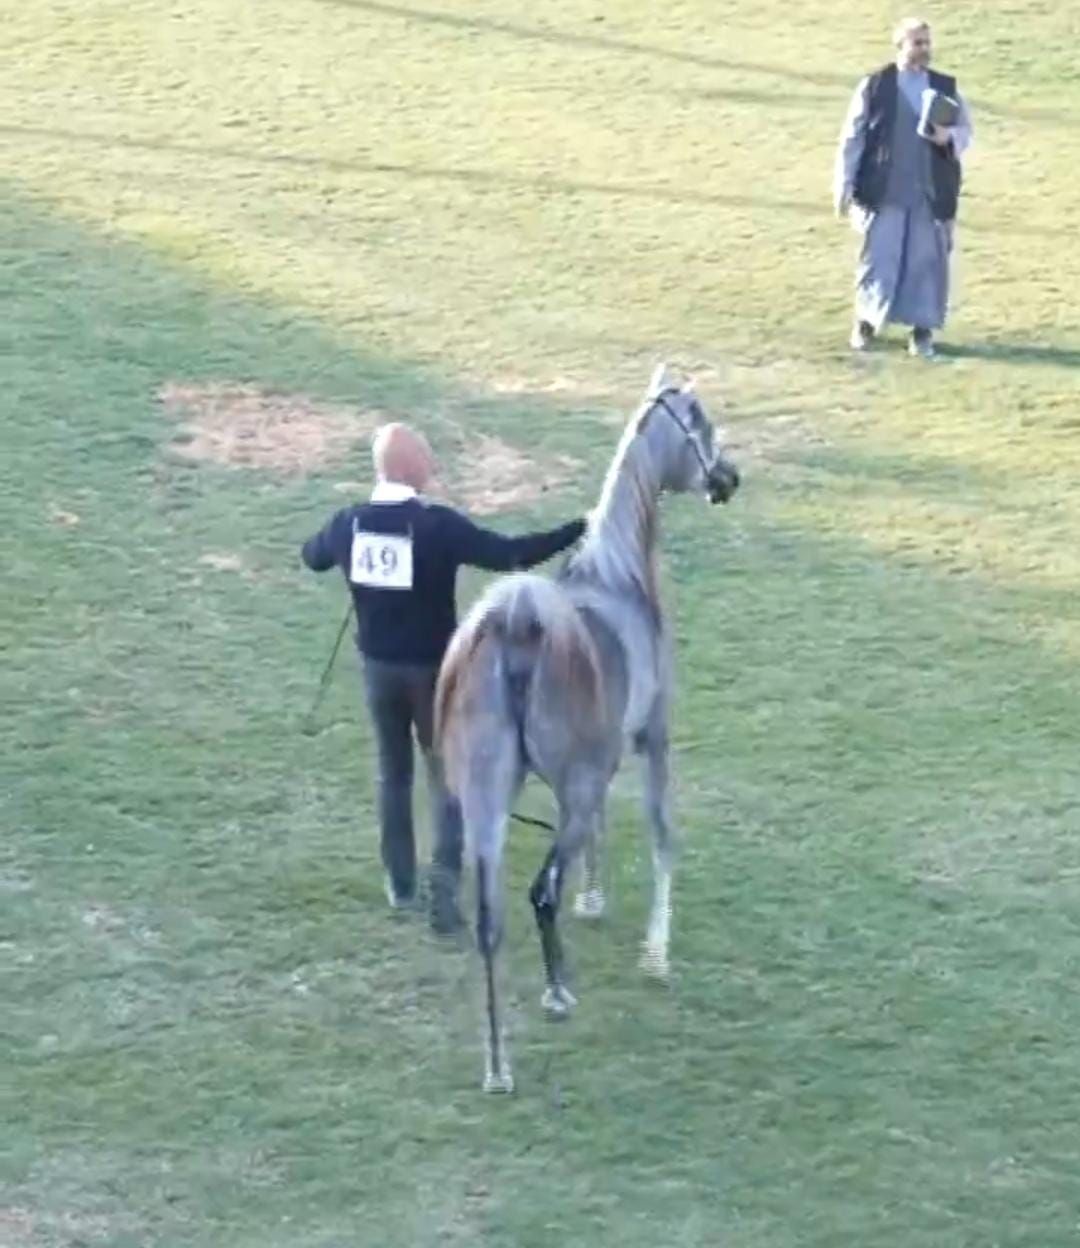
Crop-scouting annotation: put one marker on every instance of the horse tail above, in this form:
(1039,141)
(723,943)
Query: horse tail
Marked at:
(522,626)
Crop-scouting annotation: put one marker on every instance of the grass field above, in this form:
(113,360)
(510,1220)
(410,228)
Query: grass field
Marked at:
(494,220)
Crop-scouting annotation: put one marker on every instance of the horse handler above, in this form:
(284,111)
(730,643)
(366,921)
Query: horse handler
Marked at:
(400,554)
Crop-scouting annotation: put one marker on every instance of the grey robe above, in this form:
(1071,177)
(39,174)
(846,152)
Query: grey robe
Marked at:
(903,267)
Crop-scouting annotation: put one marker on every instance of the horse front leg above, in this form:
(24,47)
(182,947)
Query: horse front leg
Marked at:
(655,748)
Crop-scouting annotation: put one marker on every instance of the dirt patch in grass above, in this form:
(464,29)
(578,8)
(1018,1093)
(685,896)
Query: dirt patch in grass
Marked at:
(16,1226)
(242,426)
(504,384)
(491,475)
(486,475)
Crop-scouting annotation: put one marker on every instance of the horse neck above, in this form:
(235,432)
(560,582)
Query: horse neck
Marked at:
(622,542)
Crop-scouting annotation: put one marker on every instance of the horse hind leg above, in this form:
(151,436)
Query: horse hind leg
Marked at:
(591,903)
(497,1075)
(485,798)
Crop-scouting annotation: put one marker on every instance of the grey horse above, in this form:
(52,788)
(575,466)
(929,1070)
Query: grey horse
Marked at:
(554,677)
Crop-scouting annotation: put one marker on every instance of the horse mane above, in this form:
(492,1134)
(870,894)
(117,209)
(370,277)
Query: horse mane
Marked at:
(623,533)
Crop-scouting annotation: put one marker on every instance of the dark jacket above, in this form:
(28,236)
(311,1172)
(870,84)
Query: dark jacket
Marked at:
(873,173)
(409,616)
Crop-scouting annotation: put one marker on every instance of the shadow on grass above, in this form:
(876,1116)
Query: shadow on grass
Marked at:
(841,691)
(1011,353)
(593,40)
(482,179)
(597,41)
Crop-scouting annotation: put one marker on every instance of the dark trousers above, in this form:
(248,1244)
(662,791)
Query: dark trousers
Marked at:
(401,698)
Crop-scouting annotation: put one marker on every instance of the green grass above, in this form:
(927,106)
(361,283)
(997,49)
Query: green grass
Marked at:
(212,1033)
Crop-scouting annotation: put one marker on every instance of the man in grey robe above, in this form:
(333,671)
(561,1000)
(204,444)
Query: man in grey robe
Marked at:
(901,191)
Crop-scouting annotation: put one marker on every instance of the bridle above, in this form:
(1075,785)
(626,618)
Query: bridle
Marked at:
(660,400)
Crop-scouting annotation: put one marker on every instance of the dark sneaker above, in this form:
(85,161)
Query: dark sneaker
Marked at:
(397,899)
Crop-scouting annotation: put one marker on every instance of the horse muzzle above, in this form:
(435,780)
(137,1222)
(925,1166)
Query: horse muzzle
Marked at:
(723,482)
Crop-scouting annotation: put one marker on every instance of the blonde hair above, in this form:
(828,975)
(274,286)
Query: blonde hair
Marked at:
(908,26)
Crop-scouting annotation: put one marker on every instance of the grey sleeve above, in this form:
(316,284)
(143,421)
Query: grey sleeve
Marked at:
(852,143)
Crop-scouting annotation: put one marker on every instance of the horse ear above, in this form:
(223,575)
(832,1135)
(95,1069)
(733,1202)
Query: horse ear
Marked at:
(658,379)
(689,387)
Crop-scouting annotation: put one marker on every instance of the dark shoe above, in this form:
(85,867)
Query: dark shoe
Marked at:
(399,899)
(862,335)
(443,912)
(921,344)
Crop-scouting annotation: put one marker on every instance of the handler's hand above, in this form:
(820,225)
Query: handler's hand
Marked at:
(942,136)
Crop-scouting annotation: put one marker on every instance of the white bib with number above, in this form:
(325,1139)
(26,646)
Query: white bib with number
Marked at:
(381,560)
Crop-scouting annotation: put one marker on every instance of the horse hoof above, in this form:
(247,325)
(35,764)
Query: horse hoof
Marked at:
(558,1002)
(502,1083)
(590,904)
(654,962)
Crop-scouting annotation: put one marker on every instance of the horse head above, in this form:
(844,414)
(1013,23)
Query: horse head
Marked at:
(684,441)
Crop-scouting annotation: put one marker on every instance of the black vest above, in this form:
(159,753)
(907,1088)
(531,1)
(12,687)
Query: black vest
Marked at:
(873,174)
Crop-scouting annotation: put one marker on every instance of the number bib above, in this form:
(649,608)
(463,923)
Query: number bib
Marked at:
(381,560)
